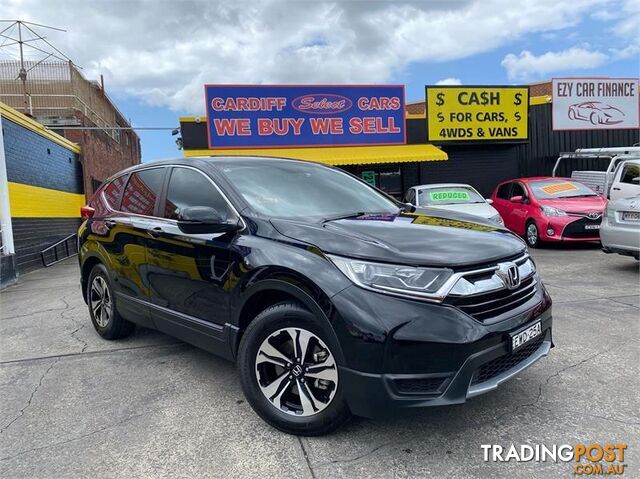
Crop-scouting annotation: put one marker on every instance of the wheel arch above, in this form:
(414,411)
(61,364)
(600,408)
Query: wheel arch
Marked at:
(85,270)
(277,289)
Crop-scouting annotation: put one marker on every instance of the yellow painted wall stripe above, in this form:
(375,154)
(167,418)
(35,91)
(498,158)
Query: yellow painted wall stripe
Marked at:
(540,100)
(35,202)
(15,116)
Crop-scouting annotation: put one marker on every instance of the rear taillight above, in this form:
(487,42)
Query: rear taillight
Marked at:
(86,212)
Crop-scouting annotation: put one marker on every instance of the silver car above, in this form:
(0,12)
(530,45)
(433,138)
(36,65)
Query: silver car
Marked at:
(453,197)
(620,230)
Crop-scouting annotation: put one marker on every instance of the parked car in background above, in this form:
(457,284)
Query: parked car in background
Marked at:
(620,231)
(621,179)
(333,298)
(453,197)
(549,209)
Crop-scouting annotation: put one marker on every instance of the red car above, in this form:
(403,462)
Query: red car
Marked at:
(549,209)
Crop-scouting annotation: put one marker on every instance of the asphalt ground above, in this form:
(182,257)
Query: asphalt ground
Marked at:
(75,405)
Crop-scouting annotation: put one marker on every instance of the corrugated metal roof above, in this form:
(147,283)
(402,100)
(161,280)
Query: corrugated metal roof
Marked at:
(338,156)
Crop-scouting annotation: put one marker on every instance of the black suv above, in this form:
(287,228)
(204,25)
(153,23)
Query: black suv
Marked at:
(333,298)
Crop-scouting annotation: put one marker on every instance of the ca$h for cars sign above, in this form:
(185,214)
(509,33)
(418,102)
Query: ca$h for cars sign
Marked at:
(477,113)
(273,116)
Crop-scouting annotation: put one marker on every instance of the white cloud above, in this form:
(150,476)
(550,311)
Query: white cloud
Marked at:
(164,51)
(449,81)
(528,66)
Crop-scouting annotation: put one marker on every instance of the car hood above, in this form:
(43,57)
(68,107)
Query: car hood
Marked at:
(484,210)
(576,205)
(427,237)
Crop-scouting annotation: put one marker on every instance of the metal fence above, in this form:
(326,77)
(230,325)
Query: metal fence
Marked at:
(56,90)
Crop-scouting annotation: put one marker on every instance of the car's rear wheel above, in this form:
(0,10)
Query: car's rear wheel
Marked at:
(102,306)
(289,373)
(531,235)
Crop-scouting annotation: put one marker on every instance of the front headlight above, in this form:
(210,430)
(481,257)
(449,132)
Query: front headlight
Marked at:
(498,219)
(388,278)
(550,211)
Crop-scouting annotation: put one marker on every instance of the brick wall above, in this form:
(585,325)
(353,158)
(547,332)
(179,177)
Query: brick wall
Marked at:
(101,155)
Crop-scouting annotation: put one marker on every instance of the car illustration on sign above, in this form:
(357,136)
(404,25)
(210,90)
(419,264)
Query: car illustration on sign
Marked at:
(596,112)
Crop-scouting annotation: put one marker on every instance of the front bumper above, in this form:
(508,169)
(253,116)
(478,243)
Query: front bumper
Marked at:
(441,357)
(568,229)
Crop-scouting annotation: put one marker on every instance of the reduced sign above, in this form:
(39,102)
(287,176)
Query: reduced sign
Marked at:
(463,114)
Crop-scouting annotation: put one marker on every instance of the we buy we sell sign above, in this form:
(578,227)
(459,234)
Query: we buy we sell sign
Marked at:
(275,116)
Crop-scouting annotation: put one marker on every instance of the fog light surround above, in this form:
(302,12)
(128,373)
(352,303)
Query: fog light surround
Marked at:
(550,231)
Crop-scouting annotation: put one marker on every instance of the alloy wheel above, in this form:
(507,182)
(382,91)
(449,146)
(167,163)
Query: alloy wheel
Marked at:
(100,301)
(532,234)
(296,372)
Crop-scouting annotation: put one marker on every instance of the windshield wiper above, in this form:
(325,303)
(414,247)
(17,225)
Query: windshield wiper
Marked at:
(343,216)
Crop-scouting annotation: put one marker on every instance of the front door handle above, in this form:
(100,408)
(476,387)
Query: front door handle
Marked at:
(155,231)
(617,189)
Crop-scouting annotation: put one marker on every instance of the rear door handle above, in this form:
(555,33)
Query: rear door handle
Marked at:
(110,223)
(617,189)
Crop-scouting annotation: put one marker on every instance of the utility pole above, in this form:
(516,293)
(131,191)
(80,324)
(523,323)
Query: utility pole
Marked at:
(27,36)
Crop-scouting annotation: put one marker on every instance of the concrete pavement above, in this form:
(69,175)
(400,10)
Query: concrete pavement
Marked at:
(74,405)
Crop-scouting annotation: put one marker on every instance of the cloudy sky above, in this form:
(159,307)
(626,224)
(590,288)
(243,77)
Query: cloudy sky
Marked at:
(155,55)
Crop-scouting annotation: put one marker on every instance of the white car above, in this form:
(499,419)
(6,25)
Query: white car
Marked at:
(453,197)
(620,230)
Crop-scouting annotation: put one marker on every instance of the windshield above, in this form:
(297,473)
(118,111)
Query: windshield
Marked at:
(449,195)
(550,189)
(291,189)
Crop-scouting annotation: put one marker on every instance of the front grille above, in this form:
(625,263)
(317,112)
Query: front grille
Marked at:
(433,385)
(577,229)
(489,305)
(499,365)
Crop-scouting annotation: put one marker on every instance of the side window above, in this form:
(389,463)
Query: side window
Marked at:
(503,191)
(630,172)
(188,187)
(113,192)
(141,191)
(411,196)
(518,190)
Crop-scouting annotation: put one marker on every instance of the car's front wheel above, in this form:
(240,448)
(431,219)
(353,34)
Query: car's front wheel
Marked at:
(532,235)
(289,373)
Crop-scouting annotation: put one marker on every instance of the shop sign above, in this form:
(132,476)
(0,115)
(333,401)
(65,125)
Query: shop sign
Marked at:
(595,103)
(477,113)
(276,116)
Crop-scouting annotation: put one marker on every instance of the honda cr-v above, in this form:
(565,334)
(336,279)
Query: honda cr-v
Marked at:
(333,298)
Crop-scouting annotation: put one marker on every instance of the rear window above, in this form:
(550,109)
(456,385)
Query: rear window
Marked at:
(548,189)
(449,195)
(113,192)
(142,191)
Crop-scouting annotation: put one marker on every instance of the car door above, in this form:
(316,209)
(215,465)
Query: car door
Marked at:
(518,212)
(190,275)
(126,239)
(501,201)
(625,184)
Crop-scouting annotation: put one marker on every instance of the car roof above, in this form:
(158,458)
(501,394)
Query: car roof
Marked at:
(443,185)
(537,178)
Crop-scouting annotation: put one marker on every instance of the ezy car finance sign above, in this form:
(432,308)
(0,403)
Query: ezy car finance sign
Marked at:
(595,103)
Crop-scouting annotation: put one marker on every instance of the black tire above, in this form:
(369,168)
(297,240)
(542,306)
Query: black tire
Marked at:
(264,326)
(115,326)
(533,240)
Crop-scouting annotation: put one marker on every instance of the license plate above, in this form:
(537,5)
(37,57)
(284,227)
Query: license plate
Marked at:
(592,227)
(523,337)
(631,216)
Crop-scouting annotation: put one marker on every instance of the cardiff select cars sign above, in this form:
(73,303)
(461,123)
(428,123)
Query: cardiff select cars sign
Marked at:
(477,113)
(595,103)
(276,116)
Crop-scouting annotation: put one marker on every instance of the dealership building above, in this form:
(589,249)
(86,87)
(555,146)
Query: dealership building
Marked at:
(481,162)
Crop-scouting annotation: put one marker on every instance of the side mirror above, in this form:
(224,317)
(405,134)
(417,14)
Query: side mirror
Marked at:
(636,180)
(489,201)
(204,219)
(517,199)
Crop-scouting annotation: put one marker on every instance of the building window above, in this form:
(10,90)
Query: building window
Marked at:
(390,180)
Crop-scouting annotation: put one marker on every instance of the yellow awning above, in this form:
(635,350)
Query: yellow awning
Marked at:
(338,156)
